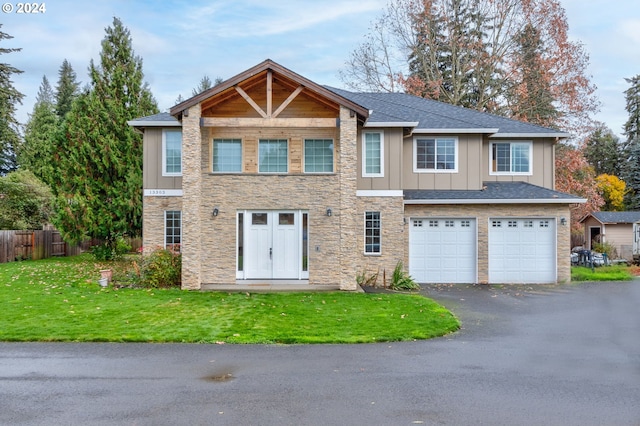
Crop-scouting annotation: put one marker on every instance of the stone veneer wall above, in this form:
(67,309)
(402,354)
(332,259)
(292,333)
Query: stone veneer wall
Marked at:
(191,246)
(482,213)
(333,253)
(394,245)
(348,172)
(153,219)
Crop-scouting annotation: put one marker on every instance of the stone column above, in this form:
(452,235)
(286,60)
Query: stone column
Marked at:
(348,169)
(192,193)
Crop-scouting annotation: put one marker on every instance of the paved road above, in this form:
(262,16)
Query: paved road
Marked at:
(550,355)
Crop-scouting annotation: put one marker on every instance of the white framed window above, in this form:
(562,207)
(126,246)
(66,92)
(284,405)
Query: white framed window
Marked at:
(372,233)
(273,156)
(172,152)
(318,155)
(512,158)
(172,229)
(227,155)
(438,155)
(373,154)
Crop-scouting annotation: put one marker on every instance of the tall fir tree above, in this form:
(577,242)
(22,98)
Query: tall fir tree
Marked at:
(99,193)
(66,90)
(530,97)
(603,150)
(40,133)
(205,84)
(631,156)
(448,61)
(9,98)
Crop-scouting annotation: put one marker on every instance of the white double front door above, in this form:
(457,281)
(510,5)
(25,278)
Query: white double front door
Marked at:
(273,244)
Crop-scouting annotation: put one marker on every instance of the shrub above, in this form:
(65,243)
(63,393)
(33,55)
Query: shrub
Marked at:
(160,268)
(606,248)
(113,248)
(401,280)
(365,279)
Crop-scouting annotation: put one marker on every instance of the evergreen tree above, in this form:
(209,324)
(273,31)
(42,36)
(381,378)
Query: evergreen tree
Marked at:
(66,90)
(9,97)
(631,174)
(631,164)
(205,84)
(531,98)
(99,190)
(35,154)
(448,61)
(603,151)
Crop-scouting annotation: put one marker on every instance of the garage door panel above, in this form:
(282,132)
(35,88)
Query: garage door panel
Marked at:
(522,250)
(443,250)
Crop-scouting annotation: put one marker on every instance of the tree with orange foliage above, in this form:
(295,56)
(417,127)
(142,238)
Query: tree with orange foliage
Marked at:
(574,175)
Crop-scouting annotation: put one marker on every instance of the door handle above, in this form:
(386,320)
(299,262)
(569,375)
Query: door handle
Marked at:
(270,253)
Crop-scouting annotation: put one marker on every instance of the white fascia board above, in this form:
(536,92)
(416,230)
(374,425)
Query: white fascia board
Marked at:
(500,201)
(447,131)
(391,124)
(139,123)
(379,193)
(531,135)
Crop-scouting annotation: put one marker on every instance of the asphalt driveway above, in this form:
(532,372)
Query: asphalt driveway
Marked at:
(526,355)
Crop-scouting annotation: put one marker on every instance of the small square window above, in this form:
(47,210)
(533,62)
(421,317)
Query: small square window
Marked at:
(449,223)
(433,223)
(544,224)
(512,224)
(465,223)
(417,223)
(496,224)
(318,155)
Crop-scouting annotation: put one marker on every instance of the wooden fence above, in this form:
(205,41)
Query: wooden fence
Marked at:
(21,245)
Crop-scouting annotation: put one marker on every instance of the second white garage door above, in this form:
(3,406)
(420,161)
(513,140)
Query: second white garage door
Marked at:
(442,250)
(522,250)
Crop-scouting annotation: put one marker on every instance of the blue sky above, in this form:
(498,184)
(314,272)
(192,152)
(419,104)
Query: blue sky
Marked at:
(181,41)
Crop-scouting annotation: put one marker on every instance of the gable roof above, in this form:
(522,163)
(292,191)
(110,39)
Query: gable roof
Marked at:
(614,217)
(429,116)
(494,193)
(277,68)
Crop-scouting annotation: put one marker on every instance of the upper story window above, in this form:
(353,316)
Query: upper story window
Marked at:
(318,155)
(372,154)
(273,156)
(435,155)
(227,155)
(510,158)
(172,153)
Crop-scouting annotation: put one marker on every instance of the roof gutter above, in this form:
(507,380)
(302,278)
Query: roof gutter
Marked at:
(432,201)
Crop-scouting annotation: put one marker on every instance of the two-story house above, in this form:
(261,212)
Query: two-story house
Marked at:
(269,177)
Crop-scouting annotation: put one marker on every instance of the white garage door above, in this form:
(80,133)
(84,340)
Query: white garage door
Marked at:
(442,250)
(522,250)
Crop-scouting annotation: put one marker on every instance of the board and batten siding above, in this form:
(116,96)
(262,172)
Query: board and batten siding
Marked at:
(393,161)
(543,163)
(152,163)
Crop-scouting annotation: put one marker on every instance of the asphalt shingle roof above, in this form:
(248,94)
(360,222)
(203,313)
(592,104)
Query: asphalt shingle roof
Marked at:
(493,191)
(430,114)
(616,217)
(163,116)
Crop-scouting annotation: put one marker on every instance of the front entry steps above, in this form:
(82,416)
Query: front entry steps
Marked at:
(257,286)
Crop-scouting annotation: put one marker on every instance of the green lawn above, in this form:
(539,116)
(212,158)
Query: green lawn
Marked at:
(60,300)
(602,273)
